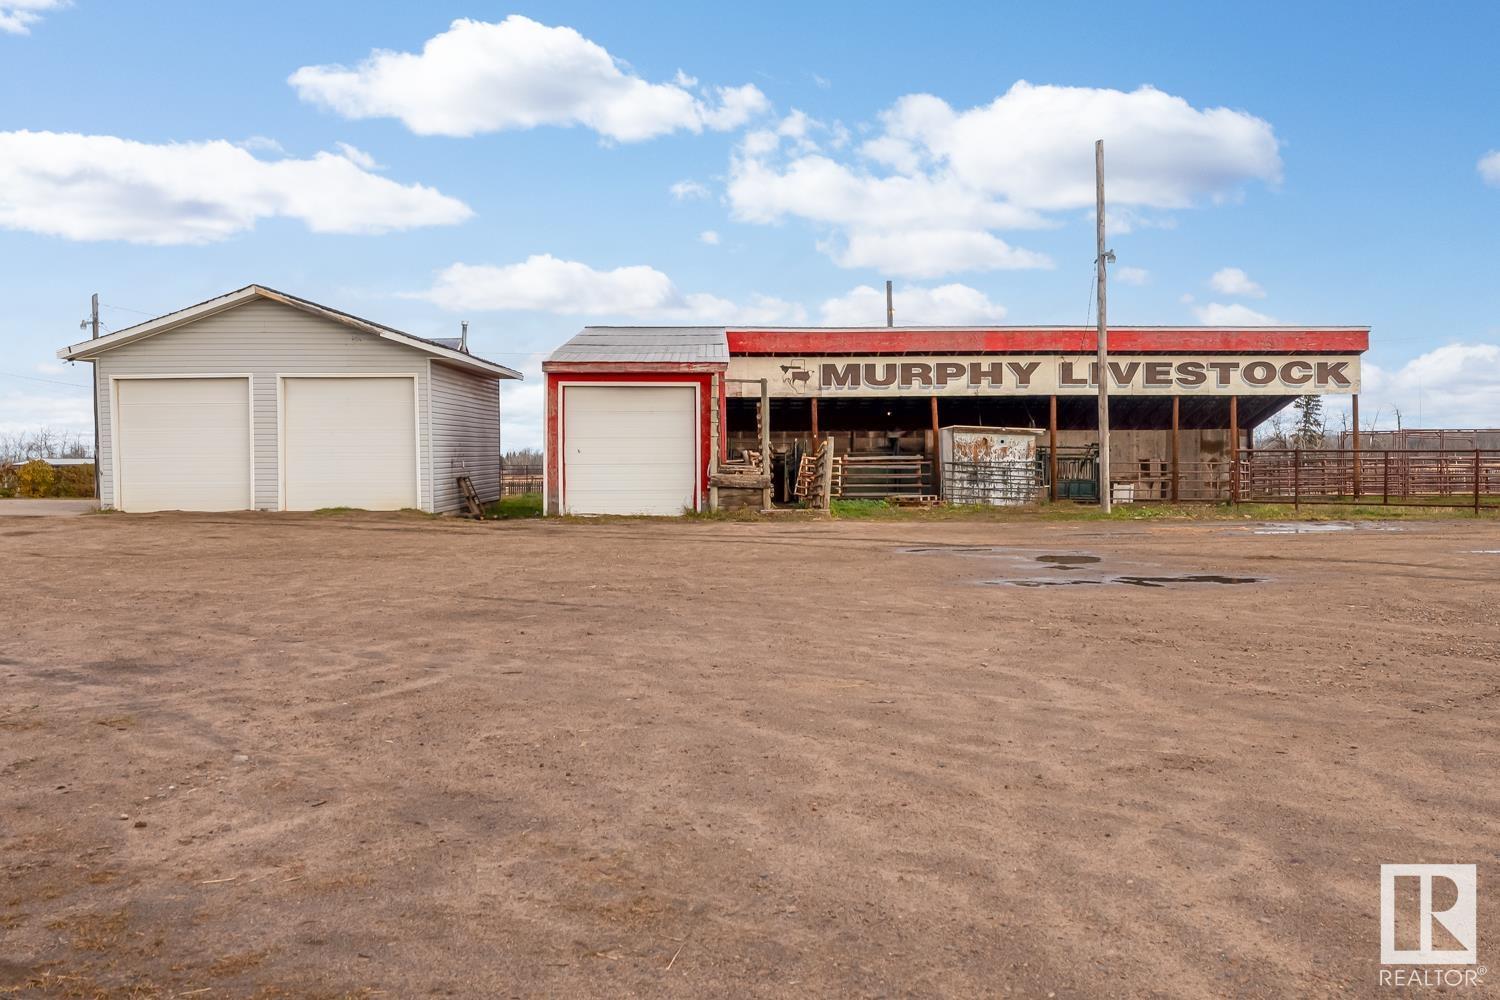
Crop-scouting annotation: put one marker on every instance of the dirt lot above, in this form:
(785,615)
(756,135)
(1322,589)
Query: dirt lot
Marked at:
(301,756)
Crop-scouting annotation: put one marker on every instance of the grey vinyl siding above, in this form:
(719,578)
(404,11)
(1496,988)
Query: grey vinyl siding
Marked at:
(465,434)
(263,339)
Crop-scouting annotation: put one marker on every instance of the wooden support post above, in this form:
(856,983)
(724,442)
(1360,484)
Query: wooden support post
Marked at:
(1296,478)
(1052,447)
(1354,401)
(765,442)
(1234,449)
(937,452)
(723,418)
(1386,476)
(814,402)
(1176,448)
(1476,482)
(825,475)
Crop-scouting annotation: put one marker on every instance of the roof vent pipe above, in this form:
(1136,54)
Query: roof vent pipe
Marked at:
(463,337)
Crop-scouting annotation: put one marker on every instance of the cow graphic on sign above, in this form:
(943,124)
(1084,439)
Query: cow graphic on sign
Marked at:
(796,376)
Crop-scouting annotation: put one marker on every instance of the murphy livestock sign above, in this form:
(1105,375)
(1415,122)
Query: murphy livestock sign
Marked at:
(1050,374)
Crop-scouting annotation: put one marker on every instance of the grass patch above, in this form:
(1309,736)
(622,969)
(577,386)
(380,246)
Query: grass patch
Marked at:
(529,505)
(514,507)
(335,511)
(880,510)
(861,509)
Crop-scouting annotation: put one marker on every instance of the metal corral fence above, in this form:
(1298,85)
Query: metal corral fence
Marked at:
(1414,478)
(518,479)
(880,477)
(1002,483)
(1424,439)
(1153,480)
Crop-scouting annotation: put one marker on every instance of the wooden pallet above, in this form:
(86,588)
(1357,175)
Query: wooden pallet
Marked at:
(472,506)
(807,477)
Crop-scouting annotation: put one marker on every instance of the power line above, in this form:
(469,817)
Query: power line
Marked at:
(138,312)
(49,381)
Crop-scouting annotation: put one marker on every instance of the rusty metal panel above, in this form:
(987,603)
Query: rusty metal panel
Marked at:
(995,466)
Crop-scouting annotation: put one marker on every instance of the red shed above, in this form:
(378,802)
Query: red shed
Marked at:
(639,418)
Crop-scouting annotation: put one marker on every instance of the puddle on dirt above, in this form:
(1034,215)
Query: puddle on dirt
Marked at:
(1318,527)
(1069,561)
(1132,580)
(1484,552)
(1066,562)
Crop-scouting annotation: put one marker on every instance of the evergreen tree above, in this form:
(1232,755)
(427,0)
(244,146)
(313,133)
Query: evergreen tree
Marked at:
(1310,425)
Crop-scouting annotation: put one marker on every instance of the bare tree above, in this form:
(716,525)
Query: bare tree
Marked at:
(17,447)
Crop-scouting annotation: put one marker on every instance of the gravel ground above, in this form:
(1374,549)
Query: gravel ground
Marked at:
(284,755)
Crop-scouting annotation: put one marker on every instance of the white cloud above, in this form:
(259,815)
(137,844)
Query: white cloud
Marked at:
(945,305)
(709,237)
(544,283)
(1131,275)
(17,16)
(930,253)
(262,144)
(357,156)
(688,190)
(484,77)
(1235,314)
(1022,161)
(1456,385)
(26,410)
(99,187)
(1489,167)
(760,310)
(1233,281)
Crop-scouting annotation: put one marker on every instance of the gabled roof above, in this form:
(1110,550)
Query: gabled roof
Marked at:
(652,345)
(89,349)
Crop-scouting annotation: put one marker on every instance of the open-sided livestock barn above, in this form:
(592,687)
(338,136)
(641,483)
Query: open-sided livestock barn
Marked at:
(645,419)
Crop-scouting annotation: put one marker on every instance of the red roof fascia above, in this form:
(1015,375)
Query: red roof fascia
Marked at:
(1165,340)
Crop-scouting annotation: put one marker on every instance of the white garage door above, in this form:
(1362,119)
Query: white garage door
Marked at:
(184,444)
(629,449)
(349,442)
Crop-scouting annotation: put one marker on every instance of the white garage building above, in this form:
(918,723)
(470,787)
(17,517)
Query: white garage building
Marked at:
(262,400)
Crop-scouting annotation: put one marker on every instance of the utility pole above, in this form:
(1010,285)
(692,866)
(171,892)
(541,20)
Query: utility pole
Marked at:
(94,391)
(890,307)
(1103,332)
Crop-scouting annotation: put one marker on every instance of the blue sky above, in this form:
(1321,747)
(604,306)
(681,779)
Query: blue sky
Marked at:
(1302,164)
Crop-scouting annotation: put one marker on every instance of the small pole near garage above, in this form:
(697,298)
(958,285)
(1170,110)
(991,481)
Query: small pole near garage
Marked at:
(1052,447)
(1103,334)
(94,335)
(1354,402)
(1176,448)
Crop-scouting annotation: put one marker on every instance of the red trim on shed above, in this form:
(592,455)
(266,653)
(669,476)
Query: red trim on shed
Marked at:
(1043,340)
(553,502)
